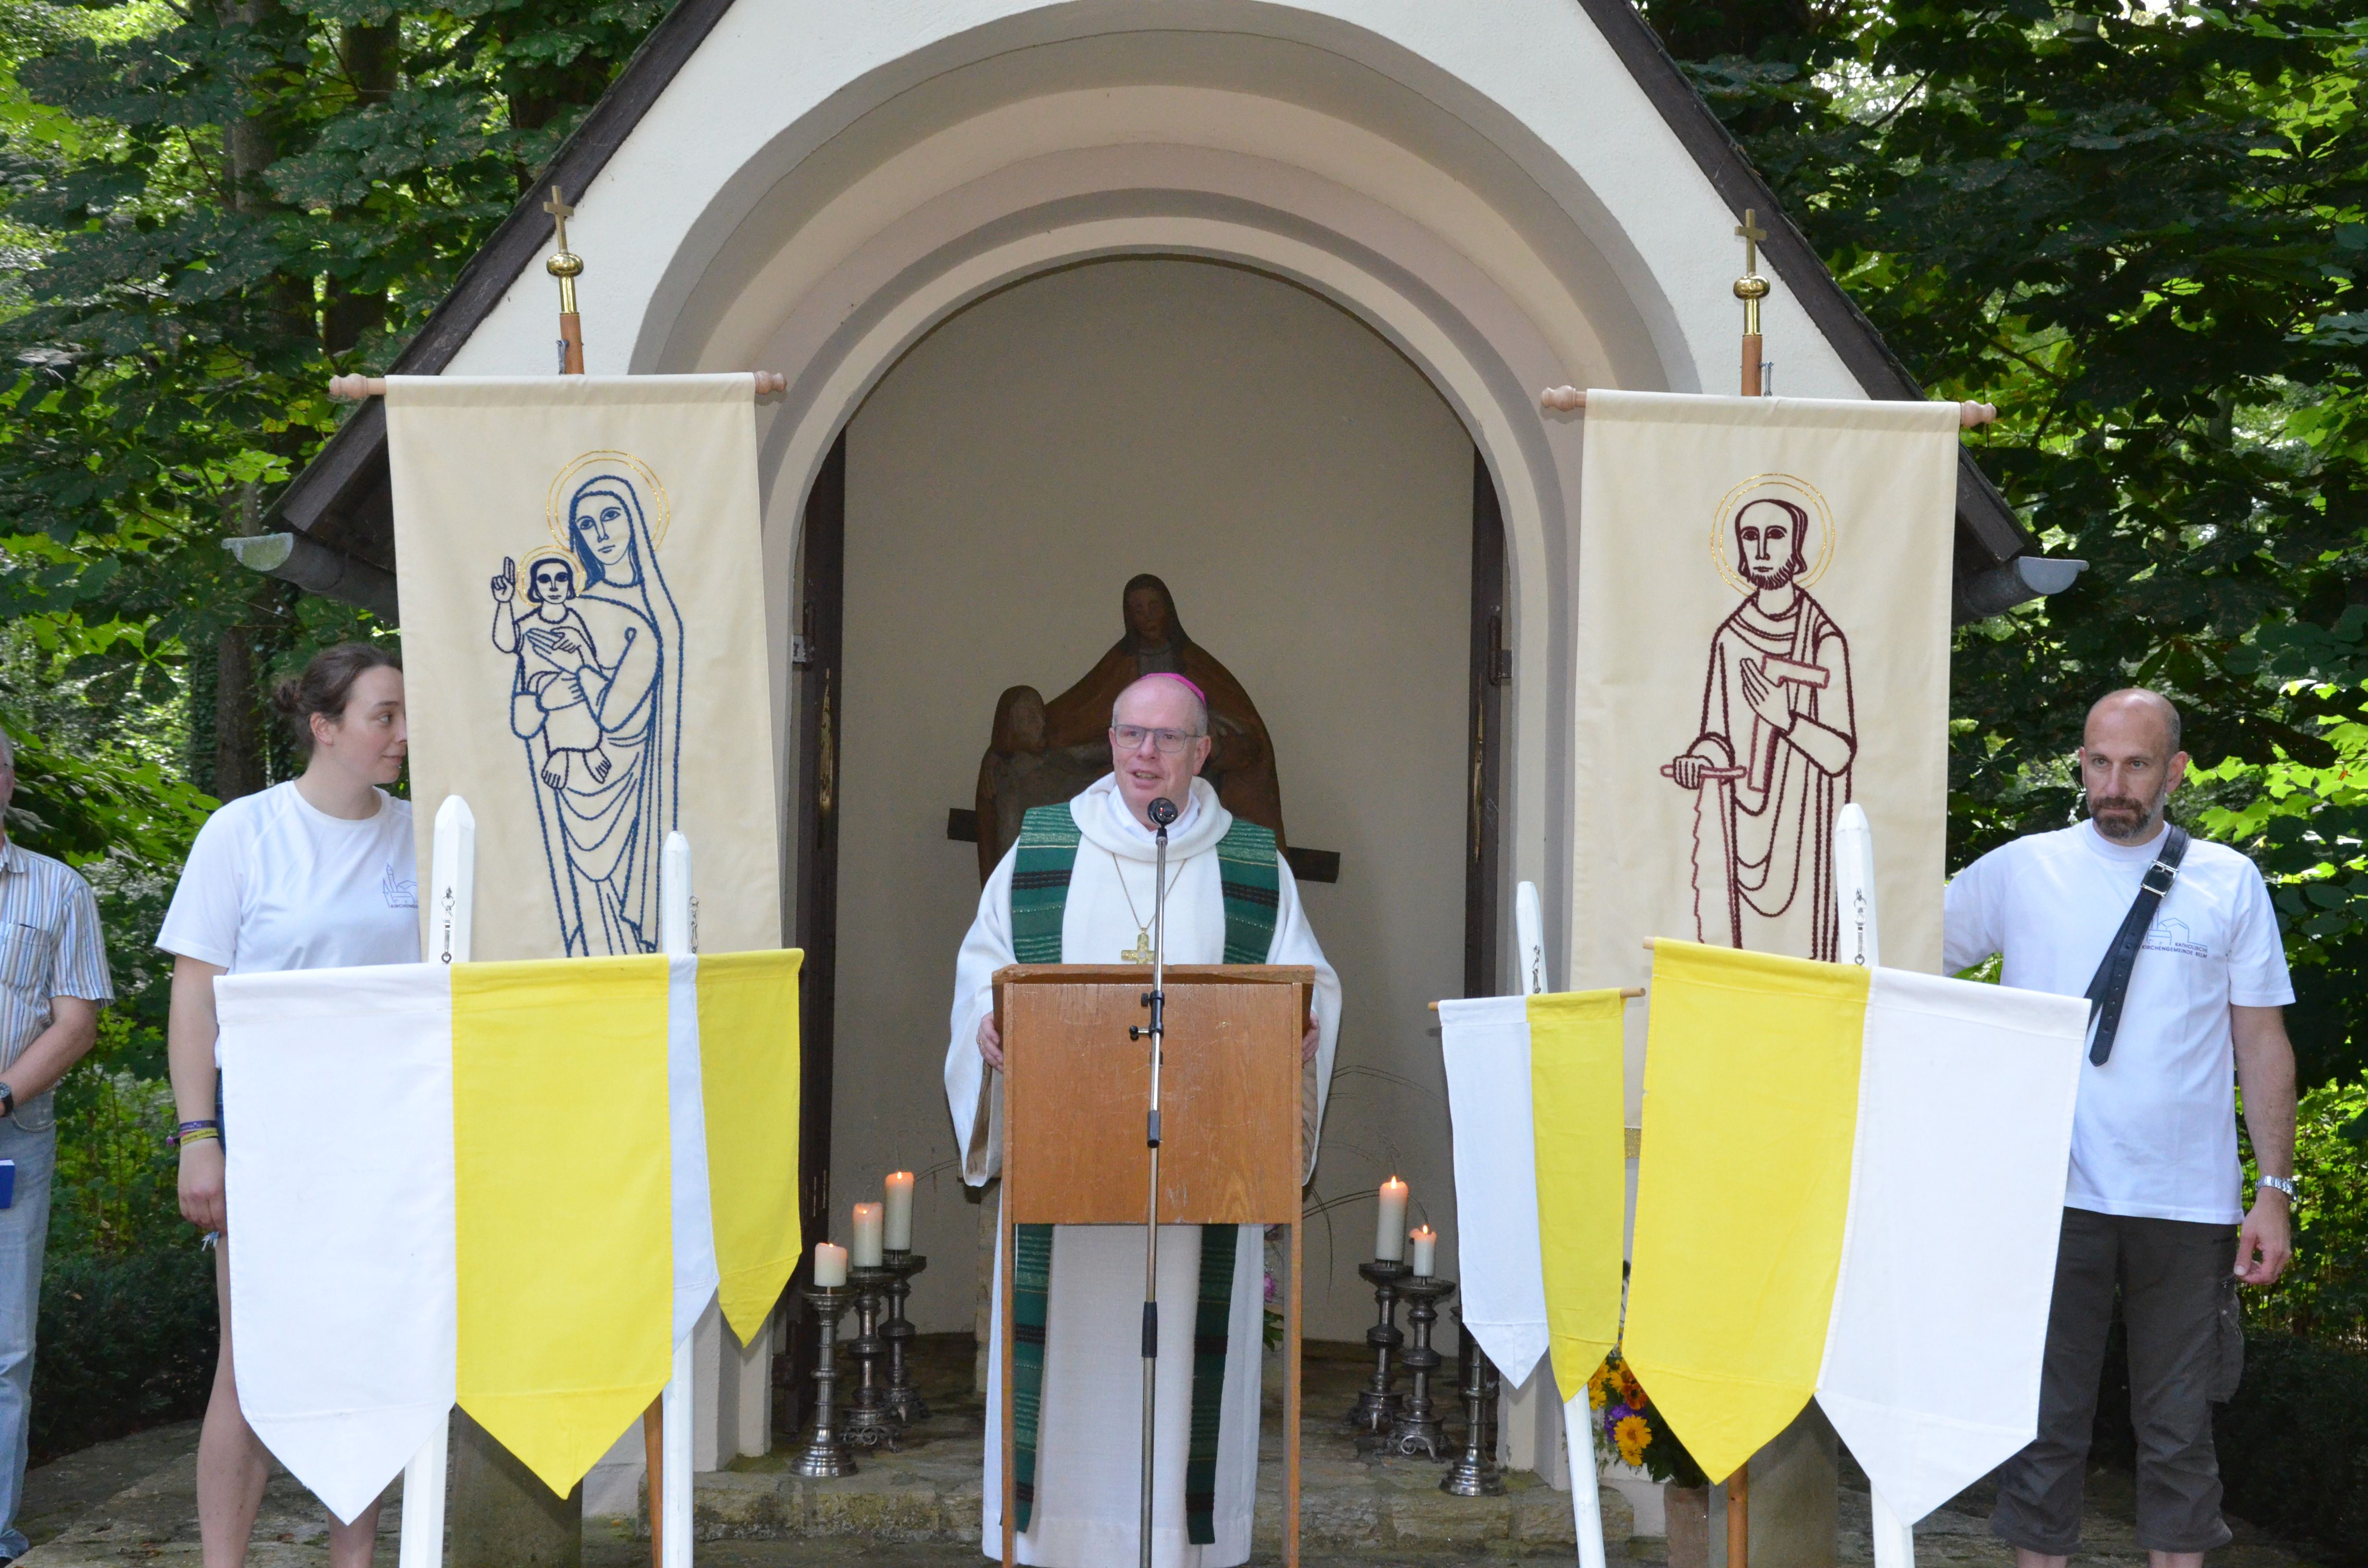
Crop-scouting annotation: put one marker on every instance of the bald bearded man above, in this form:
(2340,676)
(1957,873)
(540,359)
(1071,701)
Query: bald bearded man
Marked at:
(1085,895)
(2154,1205)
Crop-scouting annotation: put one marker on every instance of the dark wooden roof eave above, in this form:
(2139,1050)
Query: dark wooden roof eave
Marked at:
(342,498)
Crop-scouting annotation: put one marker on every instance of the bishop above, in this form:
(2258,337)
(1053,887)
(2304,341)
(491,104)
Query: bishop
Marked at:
(1078,888)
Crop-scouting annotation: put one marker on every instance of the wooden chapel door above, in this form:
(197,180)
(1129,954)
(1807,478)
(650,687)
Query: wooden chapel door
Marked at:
(1492,671)
(820,618)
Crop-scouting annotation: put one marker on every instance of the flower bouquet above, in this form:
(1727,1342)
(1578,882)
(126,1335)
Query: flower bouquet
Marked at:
(1632,1424)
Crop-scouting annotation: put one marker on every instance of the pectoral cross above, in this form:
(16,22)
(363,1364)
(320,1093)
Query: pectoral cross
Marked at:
(1141,951)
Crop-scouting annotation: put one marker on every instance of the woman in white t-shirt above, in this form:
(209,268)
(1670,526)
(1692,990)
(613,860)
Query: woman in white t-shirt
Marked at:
(315,873)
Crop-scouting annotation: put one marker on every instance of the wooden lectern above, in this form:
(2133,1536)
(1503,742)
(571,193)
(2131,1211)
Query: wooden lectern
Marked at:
(1233,1144)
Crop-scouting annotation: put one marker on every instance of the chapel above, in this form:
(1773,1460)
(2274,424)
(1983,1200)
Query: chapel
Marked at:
(1255,299)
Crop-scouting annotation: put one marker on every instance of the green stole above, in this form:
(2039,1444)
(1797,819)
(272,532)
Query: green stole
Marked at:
(1046,856)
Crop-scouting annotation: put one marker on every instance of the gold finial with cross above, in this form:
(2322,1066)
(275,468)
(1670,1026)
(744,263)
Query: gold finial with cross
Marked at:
(1751,288)
(565,266)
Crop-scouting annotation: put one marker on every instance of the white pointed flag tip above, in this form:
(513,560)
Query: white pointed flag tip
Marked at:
(1486,1045)
(1940,1319)
(345,1075)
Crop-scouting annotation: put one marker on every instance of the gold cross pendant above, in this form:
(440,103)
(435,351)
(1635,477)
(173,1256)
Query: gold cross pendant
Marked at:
(1141,951)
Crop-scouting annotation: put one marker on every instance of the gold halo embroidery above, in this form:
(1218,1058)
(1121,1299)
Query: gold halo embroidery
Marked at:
(1722,523)
(656,509)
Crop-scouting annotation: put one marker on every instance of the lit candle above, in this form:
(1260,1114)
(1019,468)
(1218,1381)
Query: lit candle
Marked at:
(1426,1251)
(1389,1230)
(897,1232)
(830,1264)
(867,1236)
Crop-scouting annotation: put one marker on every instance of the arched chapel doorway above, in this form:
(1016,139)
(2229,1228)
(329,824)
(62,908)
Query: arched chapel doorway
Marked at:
(1329,533)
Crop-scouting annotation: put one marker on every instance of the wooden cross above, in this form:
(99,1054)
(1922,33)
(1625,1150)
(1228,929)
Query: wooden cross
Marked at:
(560,212)
(1749,231)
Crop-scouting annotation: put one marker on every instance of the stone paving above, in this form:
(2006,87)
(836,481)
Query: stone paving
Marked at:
(132,1505)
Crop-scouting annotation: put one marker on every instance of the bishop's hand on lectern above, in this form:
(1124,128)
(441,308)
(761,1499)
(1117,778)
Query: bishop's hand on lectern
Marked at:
(1078,888)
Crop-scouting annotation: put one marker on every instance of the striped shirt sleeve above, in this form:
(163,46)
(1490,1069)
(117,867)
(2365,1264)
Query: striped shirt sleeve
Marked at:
(80,967)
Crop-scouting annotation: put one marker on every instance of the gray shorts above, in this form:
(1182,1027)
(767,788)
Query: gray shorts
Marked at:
(2177,1292)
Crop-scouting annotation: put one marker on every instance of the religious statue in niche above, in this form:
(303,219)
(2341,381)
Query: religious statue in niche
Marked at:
(1771,764)
(596,650)
(1046,752)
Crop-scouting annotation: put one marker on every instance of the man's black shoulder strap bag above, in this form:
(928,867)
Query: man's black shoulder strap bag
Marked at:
(2111,985)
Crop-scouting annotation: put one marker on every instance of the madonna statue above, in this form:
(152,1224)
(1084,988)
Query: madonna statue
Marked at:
(1044,752)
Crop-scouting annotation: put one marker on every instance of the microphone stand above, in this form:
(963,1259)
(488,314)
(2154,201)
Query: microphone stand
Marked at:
(1163,811)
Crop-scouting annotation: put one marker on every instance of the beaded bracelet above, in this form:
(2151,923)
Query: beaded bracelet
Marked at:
(193,1132)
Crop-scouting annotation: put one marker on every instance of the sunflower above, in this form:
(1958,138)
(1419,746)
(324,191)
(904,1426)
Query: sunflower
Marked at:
(1599,1385)
(1631,1436)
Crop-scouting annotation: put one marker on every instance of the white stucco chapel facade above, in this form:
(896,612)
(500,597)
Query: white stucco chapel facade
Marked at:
(1250,295)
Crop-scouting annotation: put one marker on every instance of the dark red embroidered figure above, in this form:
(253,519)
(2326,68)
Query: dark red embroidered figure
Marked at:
(1771,763)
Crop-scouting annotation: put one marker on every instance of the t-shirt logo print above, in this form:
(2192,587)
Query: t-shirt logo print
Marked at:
(1771,760)
(399,886)
(2171,935)
(596,647)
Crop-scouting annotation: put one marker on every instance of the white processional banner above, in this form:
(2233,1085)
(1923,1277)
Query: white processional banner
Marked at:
(338,1086)
(583,630)
(1948,1260)
(1763,636)
(1485,1046)
(337,1099)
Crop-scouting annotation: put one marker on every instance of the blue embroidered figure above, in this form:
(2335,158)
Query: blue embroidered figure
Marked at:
(546,651)
(596,698)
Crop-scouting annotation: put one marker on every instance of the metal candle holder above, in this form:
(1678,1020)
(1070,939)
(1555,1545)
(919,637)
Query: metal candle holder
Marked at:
(905,1404)
(1474,1473)
(868,1422)
(825,1454)
(1377,1406)
(1417,1428)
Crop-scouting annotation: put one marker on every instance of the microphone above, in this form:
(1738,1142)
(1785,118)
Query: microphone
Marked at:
(1163,811)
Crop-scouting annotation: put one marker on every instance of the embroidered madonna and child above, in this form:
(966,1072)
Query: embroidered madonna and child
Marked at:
(595,644)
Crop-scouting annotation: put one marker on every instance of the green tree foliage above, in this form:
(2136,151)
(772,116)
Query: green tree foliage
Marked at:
(224,203)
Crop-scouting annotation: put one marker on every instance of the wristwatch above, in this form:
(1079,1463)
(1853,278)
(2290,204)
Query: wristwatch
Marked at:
(7,1100)
(2278,1184)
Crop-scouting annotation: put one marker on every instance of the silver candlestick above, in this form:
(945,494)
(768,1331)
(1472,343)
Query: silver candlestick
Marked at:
(1417,1428)
(868,1422)
(1377,1406)
(905,1403)
(1474,1473)
(825,1454)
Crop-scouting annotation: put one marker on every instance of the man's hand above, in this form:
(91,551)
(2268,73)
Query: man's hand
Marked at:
(2265,1241)
(1764,698)
(990,1041)
(1687,771)
(1307,1043)
(202,1185)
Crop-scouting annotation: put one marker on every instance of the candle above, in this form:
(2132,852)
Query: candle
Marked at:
(1389,1230)
(830,1264)
(896,1231)
(866,1253)
(1426,1251)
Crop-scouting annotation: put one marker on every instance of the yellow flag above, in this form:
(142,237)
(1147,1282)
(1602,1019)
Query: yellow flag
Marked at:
(1750,1112)
(1574,1110)
(562,1203)
(748,1064)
